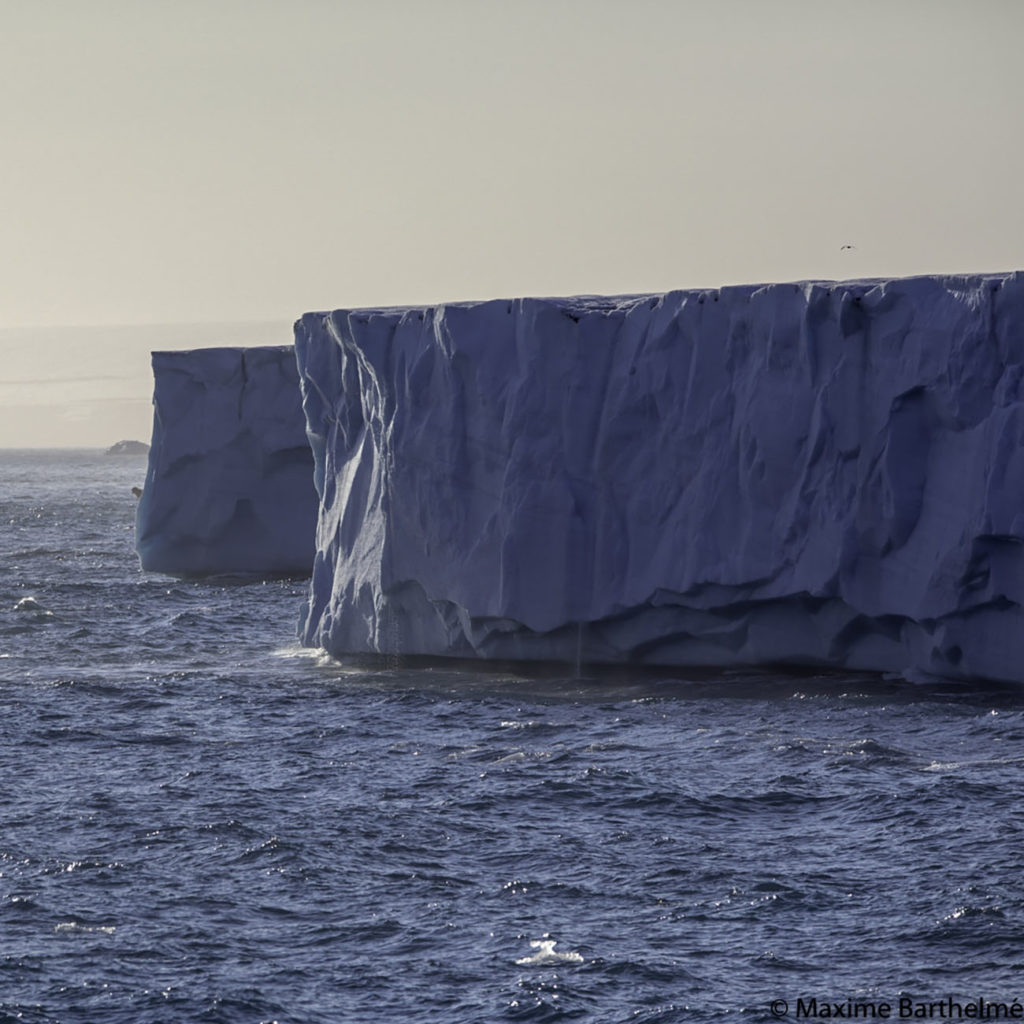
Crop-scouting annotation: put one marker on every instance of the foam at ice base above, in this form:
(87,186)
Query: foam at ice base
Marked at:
(229,487)
(819,473)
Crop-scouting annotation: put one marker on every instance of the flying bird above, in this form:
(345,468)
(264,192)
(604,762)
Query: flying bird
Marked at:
(843,248)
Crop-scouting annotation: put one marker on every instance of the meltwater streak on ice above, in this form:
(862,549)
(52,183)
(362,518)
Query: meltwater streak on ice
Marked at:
(194,828)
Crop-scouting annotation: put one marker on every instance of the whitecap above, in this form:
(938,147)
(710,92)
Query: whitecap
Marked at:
(546,955)
(74,926)
(514,758)
(30,604)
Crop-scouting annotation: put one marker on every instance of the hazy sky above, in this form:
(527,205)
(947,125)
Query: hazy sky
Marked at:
(210,160)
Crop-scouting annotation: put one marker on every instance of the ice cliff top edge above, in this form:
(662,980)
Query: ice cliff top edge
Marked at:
(229,486)
(921,284)
(824,473)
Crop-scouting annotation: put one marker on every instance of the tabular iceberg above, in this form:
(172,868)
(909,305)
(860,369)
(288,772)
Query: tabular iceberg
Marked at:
(229,486)
(817,473)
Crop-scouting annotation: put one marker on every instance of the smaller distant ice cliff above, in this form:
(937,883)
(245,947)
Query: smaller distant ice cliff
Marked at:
(819,473)
(229,486)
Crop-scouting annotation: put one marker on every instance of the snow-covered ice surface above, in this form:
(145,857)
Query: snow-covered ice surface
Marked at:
(821,473)
(229,487)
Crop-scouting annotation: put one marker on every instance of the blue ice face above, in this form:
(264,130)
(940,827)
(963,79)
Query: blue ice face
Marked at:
(815,472)
(229,488)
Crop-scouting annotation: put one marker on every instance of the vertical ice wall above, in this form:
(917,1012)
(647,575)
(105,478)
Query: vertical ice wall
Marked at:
(229,488)
(821,473)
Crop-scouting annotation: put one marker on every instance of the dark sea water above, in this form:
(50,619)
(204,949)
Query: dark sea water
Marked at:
(201,822)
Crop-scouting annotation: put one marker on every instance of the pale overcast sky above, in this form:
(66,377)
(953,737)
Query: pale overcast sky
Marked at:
(247,160)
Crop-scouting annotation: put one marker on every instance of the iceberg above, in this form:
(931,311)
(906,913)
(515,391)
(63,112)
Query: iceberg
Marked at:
(229,484)
(816,473)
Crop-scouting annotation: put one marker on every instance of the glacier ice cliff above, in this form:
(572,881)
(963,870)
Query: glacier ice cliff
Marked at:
(818,473)
(229,485)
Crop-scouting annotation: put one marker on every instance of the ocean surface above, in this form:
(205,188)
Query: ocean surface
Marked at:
(200,821)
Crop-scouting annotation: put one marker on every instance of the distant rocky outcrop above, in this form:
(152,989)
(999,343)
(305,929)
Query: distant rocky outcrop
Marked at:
(128,448)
